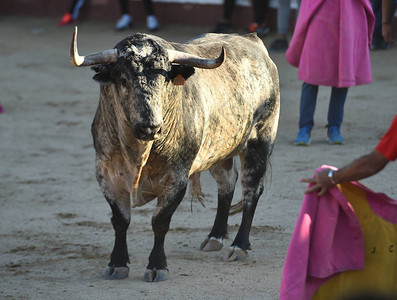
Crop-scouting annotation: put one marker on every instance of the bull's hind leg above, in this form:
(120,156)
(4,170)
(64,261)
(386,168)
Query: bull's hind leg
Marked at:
(119,202)
(225,174)
(254,161)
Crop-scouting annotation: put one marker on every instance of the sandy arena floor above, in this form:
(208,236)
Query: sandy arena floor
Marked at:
(55,231)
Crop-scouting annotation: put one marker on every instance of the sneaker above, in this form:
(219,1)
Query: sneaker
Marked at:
(279,45)
(334,136)
(124,22)
(66,20)
(303,137)
(152,23)
(260,29)
(223,27)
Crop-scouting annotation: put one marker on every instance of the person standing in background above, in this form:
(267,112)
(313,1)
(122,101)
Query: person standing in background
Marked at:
(260,8)
(259,25)
(123,23)
(72,15)
(388,10)
(377,40)
(330,47)
(225,25)
(283,16)
(126,20)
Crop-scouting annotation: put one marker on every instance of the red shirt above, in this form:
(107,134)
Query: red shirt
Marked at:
(388,144)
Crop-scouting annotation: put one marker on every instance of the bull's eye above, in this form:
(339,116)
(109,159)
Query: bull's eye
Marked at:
(123,82)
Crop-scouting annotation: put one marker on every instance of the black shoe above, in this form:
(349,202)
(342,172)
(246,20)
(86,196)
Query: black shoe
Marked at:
(223,27)
(279,45)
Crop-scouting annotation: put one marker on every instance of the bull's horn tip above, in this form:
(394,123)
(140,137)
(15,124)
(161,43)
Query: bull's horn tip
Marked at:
(75,30)
(75,58)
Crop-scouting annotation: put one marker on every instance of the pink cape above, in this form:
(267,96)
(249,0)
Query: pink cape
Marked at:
(331,41)
(327,240)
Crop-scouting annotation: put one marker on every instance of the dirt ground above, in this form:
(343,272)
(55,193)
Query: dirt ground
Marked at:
(55,232)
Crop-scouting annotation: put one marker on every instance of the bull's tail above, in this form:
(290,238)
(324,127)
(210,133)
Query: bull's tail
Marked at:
(195,190)
(239,206)
(236,208)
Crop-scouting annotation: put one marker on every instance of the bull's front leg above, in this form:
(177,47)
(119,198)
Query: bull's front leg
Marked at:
(119,201)
(157,270)
(117,267)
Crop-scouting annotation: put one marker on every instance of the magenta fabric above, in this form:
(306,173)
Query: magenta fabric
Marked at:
(327,239)
(331,42)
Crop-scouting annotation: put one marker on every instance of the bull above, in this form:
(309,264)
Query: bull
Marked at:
(168,111)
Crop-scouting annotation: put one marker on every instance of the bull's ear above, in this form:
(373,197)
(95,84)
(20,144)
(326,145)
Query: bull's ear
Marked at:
(102,74)
(180,73)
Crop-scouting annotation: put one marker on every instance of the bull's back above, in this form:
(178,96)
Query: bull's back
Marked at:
(248,75)
(234,96)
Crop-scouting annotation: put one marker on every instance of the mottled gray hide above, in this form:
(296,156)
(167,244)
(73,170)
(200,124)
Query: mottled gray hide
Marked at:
(151,135)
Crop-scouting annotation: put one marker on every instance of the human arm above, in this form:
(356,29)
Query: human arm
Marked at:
(388,8)
(363,167)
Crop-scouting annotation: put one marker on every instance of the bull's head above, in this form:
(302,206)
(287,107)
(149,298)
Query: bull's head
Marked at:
(138,71)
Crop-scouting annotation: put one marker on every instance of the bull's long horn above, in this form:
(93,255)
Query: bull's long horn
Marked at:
(97,58)
(195,61)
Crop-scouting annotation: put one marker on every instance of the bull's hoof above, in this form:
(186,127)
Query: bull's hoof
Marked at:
(116,273)
(156,275)
(211,244)
(235,254)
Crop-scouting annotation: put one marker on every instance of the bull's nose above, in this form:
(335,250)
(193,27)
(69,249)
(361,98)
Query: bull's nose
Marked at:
(148,132)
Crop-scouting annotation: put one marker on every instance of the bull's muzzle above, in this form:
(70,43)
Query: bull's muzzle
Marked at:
(147,132)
